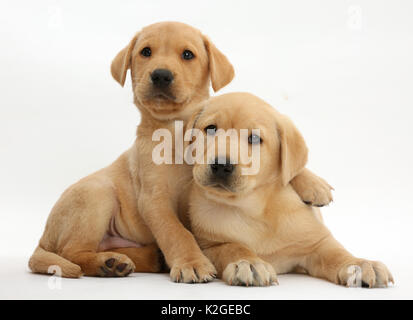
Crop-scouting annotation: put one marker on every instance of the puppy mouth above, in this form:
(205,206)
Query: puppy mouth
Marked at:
(219,186)
(161,96)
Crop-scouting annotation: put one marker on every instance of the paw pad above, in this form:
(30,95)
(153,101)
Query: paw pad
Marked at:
(113,267)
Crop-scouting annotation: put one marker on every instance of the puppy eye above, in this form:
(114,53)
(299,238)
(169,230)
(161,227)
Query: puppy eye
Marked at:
(211,129)
(254,139)
(188,55)
(146,52)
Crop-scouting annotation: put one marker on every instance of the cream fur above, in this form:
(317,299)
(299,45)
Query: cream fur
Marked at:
(261,227)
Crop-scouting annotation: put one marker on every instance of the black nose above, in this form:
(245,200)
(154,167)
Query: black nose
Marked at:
(162,78)
(222,168)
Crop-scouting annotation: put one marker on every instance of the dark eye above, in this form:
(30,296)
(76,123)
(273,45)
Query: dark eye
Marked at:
(254,139)
(146,52)
(211,129)
(187,55)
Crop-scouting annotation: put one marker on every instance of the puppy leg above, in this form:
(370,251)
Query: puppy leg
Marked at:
(239,266)
(178,245)
(332,262)
(102,264)
(80,219)
(312,189)
(146,259)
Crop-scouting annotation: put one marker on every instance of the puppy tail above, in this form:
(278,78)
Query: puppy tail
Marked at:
(47,262)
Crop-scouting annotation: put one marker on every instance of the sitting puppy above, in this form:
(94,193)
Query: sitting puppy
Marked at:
(111,222)
(254,226)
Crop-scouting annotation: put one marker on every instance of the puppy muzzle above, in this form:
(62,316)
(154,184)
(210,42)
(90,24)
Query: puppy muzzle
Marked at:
(222,169)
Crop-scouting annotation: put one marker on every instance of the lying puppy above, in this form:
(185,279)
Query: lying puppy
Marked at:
(112,222)
(255,226)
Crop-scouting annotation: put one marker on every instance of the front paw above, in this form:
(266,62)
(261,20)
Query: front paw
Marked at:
(195,270)
(250,273)
(313,190)
(366,274)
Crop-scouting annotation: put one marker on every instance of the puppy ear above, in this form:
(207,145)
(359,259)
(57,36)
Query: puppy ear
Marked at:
(220,69)
(122,62)
(193,120)
(192,135)
(294,152)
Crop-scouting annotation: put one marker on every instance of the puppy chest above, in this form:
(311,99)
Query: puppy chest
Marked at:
(231,226)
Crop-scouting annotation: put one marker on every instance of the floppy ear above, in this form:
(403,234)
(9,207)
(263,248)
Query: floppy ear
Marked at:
(192,122)
(220,69)
(192,135)
(122,62)
(294,152)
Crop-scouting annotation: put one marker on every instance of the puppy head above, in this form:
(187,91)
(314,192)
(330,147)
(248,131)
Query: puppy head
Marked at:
(282,150)
(171,66)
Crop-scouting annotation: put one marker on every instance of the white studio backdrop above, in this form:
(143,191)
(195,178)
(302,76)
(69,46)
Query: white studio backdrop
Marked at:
(342,70)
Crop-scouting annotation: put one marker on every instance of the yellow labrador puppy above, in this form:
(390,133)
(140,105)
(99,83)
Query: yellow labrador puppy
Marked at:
(111,222)
(255,226)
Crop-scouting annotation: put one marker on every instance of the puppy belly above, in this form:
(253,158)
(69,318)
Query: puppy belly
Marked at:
(113,239)
(110,242)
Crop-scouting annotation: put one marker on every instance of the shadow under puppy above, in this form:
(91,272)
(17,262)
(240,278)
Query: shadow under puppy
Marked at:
(253,227)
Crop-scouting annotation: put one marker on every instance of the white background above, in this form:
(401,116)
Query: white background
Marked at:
(344,78)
